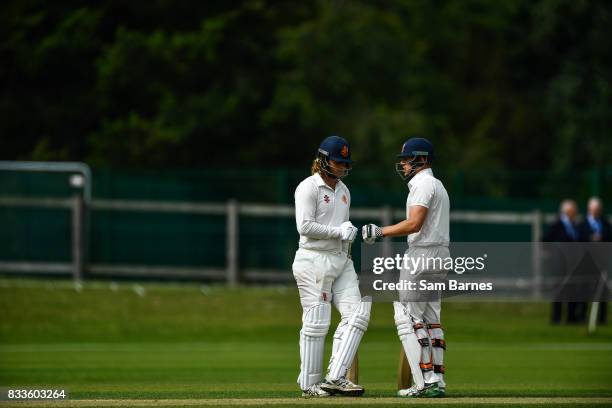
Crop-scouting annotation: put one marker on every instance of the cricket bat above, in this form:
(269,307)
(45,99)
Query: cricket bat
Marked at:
(353,372)
(404,375)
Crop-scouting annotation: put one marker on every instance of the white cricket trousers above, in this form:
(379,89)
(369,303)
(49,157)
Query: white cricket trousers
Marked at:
(325,276)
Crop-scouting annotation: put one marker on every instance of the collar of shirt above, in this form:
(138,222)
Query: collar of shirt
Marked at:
(321,183)
(421,173)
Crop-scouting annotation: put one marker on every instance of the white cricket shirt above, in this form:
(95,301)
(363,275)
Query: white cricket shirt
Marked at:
(428,191)
(319,211)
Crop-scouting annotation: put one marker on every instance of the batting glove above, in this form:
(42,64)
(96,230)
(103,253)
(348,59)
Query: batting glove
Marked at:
(370,233)
(348,232)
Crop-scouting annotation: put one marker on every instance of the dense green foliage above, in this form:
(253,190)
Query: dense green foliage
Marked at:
(496,85)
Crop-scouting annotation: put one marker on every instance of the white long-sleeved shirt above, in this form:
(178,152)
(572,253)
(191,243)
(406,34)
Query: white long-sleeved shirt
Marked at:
(319,211)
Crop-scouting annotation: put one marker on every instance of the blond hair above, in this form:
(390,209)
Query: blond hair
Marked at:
(316,167)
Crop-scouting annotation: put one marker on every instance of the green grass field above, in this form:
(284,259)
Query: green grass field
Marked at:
(187,345)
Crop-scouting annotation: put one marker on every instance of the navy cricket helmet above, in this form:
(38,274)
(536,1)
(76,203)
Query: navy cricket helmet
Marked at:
(334,148)
(412,150)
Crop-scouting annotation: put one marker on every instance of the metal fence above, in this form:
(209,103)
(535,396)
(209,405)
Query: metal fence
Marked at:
(232,211)
(82,210)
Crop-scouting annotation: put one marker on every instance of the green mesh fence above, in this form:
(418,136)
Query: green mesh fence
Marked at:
(35,234)
(144,238)
(190,240)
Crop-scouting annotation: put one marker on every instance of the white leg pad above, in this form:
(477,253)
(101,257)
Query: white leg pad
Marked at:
(410,342)
(315,324)
(437,352)
(351,337)
(338,338)
(420,329)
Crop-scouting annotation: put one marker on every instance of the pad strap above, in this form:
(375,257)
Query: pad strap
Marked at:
(426,366)
(439,343)
(424,342)
(439,369)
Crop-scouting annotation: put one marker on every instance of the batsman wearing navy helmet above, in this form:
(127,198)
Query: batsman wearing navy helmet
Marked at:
(427,227)
(325,274)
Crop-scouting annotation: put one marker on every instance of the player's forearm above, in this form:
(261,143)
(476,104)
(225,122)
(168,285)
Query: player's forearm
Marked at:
(400,229)
(312,229)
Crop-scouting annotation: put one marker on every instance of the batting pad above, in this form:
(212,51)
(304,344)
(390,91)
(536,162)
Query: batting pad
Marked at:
(315,324)
(410,342)
(438,346)
(356,326)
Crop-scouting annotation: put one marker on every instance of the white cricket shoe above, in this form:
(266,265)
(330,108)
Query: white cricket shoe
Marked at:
(430,390)
(342,386)
(316,391)
(409,392)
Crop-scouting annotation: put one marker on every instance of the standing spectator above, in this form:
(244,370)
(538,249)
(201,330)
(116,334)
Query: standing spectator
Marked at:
(565,230)
(596,228)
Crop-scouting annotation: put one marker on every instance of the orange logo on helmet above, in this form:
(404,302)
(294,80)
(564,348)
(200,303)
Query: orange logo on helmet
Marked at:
(344,152)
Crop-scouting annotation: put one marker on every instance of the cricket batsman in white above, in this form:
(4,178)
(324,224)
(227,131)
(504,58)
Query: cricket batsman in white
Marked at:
(427,227)
(325,274)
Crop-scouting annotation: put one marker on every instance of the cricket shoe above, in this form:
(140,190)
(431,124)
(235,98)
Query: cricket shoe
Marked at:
(342,386)
(315,391)
(430,390)
(409,392)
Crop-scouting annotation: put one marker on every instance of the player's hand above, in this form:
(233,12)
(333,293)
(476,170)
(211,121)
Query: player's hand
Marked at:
(370,233)
(348,231)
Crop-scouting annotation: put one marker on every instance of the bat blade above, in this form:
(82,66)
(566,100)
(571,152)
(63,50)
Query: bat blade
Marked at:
(353,372)
(404,375)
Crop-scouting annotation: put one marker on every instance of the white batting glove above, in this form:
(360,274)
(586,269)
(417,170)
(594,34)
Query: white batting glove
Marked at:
(370,233)
(348,231)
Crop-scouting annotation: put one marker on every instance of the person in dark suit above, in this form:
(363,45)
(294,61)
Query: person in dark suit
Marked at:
(565,230)
(596,228)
